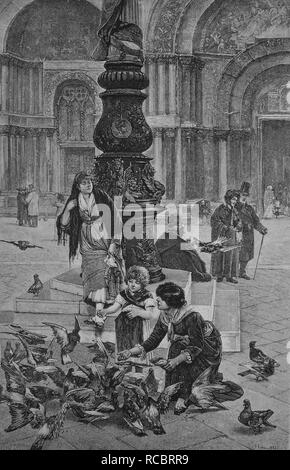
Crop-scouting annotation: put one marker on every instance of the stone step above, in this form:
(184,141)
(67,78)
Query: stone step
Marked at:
(227,318)
(46,303)
(69,282)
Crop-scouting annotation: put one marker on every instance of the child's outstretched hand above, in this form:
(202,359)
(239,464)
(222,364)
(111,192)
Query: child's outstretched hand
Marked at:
(131,312)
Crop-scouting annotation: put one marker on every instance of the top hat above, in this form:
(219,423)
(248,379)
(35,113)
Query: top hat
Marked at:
(245,188)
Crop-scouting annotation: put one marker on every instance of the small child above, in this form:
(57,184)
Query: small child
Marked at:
(137,305)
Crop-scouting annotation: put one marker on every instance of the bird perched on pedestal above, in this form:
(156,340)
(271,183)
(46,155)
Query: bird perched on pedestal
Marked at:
(256,355)
(255,419)
(22,244)
(67,341)
(36,287)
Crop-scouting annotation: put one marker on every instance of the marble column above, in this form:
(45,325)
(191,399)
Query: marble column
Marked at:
(4,85)
(40,89)
(223,182)
(170,158)
(12,162)
(4,136)
(31,92)
(172,85)
(157,154)
(199,65)
(152,97)
(188,150)
(161,87)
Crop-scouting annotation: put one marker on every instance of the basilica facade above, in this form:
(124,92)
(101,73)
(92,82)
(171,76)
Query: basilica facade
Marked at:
(218,101)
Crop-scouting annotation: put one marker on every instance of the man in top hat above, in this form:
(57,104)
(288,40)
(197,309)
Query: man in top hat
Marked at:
(250,221)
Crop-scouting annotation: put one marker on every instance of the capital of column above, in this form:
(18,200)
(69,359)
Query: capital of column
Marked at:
(191,62)
(240,133)
(169,132)
(157,131)
(161,58)
(4,130)
(221,134)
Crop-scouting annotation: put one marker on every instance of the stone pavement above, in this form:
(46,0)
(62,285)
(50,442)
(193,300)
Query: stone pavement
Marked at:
(264,318)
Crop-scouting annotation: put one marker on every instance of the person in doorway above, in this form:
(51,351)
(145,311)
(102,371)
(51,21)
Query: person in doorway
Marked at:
(32,200)
(225,222)
(250,222)
(268,202)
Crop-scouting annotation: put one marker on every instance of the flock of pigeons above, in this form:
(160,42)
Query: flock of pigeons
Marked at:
(104,385)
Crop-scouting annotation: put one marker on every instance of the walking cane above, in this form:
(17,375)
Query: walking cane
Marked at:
(262,241)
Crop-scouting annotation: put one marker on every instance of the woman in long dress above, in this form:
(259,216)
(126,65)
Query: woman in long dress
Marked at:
(268,203)
(88,220)
(195,344)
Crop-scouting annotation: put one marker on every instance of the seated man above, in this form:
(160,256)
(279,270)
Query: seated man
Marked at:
(172,257)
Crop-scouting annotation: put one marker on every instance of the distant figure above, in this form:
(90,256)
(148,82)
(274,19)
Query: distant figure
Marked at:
(172,257)
(22,212)
(59,204)
(32,200)
(285,201)
(277,208)
(250,222)
(225,222)
(268,202)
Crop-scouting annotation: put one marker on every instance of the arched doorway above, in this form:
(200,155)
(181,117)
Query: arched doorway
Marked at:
(74,108)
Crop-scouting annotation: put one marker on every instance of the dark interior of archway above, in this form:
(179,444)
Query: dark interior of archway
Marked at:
(276,152)
(55,29)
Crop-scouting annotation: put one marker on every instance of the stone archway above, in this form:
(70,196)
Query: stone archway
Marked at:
(246,75)
(9,10)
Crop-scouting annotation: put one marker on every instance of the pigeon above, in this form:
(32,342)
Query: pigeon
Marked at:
(157,406)
(34,354)
(14,355)
(22,244)
(263,370)
(206,392)
(51,427)
(255,419)
(256,355)
(132,415)
(67,341)
(84,401)
(22,415)
(30,337)
(36,287)
(260,377)
(44,394)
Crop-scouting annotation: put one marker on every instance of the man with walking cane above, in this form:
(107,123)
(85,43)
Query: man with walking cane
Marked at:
(250,222)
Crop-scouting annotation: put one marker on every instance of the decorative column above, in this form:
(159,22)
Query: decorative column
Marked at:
(4,171)
(158,153)
(40,89)
(189,163)
(172,84)
(187,67)
(222,137)
(199,65)
(123,134)
(31,92)
(4,83)
(152,91)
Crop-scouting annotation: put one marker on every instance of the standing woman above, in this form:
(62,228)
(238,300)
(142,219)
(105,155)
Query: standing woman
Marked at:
(195,344)
(88,220)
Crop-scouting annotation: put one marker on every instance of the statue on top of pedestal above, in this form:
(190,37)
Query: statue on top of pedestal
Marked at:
(117,37)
